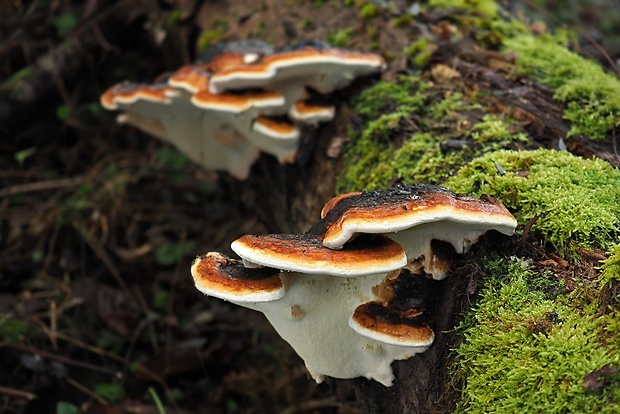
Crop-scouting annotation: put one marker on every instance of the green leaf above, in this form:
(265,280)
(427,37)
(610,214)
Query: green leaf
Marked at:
(160,299)
(20,156)
(65,23)
(169,253)
(171,158)
(63,112)
(63,407)
(111,392)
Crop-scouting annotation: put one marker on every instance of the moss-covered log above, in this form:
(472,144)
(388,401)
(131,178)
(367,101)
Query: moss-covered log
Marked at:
(479,103)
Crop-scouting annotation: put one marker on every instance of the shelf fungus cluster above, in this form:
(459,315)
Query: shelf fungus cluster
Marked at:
(350,294)
(242,99)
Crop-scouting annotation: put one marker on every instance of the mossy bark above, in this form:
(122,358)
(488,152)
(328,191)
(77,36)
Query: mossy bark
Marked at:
(461,57)
(464,97)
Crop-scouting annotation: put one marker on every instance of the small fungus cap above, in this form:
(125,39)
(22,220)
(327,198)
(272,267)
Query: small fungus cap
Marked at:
(335,200)
(237,103)
(217,275)
(311,113)
(306,254)
(128,93)
(376,322)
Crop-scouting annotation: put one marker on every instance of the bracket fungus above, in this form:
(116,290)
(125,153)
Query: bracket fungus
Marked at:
(415,216)
(243,98)
(350,306)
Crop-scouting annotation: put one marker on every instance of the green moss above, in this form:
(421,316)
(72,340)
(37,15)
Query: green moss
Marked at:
(369,10)
(592,97)
(526,352)
(403,20)
(575,200)
(495,129)
(339,38)
(611,268)
(483,7)
(374,161)
(212,36)
(419,52)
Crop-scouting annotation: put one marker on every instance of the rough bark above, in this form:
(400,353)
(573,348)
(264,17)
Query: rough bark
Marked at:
(289,199)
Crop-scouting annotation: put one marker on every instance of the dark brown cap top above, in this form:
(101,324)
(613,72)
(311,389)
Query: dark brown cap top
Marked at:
(225,278)
(405,206)
(377,322)
(130,92)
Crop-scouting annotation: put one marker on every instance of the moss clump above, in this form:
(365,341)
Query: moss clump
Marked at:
(611,268)
(392,147)
(483,7)
(495,130)
(526,352)
(339,38)
(592,97)
(420,51)
(574,199)
(369,10)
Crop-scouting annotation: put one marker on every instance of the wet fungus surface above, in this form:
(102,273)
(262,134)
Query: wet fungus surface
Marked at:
(356,287)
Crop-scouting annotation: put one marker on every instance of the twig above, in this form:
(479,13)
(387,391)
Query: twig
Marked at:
(53,325)
(15,393)
(39,186)
(87,391)
(113,356)
(64,360)
(107,261)
(170,305)
(148,319)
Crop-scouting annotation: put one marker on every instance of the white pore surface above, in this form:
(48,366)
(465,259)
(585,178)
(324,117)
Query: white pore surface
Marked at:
(313,317)
(417,241)
(192,130)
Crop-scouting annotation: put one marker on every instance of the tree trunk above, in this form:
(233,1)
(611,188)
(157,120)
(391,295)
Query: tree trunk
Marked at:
(288,199)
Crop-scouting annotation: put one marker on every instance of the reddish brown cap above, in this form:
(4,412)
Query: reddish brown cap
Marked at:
(275,129)
(377,322)
(305,254)
(225,278)
(309,113)
(237,103)
(130,92)
(194,78)
(406,206)
(335,200)
(322,69)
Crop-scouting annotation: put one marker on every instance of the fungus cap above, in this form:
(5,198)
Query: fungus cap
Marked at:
(217,275)
(377,322)
(321,69)
(406,206)
(205,136)
(335,200)
(308,113)
(306,254)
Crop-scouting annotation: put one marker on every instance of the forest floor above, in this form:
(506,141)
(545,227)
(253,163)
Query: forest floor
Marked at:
(99,223)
